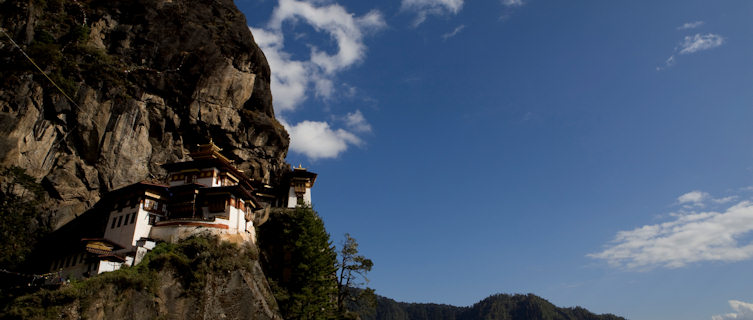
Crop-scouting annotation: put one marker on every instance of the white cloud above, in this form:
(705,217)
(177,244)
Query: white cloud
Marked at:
(725,199)
(290,78)
(317,140)
(293,79)
(512,3)
(690,25)
(693,197)
(668,63)
(689,238)
(355,121)
(743,311)
(425,8)
(693,44)
(453,32)
(700,42)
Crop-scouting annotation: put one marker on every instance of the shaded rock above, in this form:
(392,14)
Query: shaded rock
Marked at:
(148,79)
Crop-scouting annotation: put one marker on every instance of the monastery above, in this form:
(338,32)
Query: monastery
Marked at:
(207,195)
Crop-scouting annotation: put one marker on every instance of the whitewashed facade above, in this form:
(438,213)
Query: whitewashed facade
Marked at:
(206,195)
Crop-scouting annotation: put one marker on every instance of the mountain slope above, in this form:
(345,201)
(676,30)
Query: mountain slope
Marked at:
(499,306)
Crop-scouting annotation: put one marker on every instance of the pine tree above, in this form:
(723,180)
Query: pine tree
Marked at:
(299,261)
(351,275)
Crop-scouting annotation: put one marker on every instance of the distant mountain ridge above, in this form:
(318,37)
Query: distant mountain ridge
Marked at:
(498,306)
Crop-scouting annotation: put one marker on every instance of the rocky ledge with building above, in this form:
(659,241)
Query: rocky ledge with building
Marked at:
(204,195)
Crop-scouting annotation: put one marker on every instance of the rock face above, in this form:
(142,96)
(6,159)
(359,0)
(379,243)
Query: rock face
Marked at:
(147,81)
(197,278)
(238,295)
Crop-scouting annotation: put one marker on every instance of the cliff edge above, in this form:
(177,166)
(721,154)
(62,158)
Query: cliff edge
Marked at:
(132,85)
(197,278)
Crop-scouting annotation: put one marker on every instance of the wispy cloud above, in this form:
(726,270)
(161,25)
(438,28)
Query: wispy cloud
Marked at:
(725,199)
(700,42)
(453,32)
(693,44)
(292,79)
(426,8)
(690,25)
(512,3)
(691,237)
(355,121)
(295,80)
(693,198)
(743,311)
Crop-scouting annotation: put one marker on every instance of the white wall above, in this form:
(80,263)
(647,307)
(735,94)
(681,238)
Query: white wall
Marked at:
(293,200)
(142,227)
(210,181)
(307,197)
(107,266)
(127,234)
(123,234)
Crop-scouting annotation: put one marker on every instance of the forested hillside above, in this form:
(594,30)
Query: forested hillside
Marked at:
(499,306)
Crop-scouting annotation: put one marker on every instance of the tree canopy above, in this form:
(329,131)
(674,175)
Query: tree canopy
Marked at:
(22,222)
(299,261)
(351,275)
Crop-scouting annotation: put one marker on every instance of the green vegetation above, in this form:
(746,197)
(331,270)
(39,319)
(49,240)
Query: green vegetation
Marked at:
(351,275)
(22,222)
(499,306)
(61,48)
(307,277)
(299,262)
(190,261)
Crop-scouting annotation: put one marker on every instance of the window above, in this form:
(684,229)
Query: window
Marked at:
(152,219)
(113,222)
(120,220)
(133,217)
(217,205)
(151,205)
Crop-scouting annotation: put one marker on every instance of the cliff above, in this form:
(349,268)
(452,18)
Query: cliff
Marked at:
(198,278)
(137,84)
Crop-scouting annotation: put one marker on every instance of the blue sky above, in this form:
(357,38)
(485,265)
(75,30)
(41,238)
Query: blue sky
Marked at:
(595,153)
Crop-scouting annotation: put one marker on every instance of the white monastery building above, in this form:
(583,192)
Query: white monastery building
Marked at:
(205,195)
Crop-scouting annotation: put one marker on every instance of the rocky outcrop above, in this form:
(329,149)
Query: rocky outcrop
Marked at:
(196,278)
(238,295)
(147,81)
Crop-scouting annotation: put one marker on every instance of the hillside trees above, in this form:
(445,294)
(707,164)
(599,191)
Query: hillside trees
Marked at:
(351,274)
(299,261)
(307,277)
(22,222)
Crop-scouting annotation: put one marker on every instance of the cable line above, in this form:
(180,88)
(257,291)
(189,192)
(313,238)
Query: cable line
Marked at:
(40,69)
